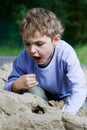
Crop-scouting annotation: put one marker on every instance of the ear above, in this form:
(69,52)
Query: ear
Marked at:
(56,39)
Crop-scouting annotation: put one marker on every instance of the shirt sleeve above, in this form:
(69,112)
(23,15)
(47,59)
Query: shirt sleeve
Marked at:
(17,71)
(76,82)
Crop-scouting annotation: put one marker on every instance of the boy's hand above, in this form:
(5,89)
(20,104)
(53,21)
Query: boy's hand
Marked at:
(24,82)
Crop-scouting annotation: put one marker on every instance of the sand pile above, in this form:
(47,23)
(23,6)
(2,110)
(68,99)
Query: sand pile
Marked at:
(30,112)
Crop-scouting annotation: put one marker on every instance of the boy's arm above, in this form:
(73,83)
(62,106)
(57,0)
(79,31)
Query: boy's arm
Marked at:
(77,85)
(8,85)
(13,76)
(22,76)
(17,70)
(19,79)
(75,101)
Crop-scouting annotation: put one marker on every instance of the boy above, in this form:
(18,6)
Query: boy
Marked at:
(48,66)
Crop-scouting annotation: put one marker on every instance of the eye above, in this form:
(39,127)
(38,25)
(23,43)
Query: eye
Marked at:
(27,44)
(40,43)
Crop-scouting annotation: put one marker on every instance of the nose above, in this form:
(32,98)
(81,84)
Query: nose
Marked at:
(33,49)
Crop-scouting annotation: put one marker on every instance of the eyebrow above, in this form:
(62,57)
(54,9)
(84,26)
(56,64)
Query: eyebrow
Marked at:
(34,42)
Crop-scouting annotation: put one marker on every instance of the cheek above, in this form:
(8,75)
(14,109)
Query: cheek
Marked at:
(46,52)
(27,50)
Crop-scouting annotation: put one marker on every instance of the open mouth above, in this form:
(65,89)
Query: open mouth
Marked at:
(37,59)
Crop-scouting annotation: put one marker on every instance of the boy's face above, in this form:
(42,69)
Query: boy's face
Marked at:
(40,48)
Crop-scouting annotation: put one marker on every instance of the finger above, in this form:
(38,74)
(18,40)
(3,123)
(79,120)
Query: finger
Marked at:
(32,82)
(31,75)
(32,85)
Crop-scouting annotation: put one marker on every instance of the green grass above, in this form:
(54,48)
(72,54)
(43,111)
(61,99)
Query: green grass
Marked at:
(12,51)
(82,53)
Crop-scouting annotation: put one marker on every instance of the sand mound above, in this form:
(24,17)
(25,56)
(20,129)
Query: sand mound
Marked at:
(30,112)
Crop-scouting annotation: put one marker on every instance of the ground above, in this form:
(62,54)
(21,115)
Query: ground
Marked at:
(30,112)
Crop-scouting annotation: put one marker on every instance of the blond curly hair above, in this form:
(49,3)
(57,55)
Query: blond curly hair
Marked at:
(42,20)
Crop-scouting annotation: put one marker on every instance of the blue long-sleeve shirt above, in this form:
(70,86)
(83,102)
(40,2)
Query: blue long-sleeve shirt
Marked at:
(61,77)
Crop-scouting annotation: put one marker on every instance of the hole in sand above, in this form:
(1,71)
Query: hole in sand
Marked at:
(38,109)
